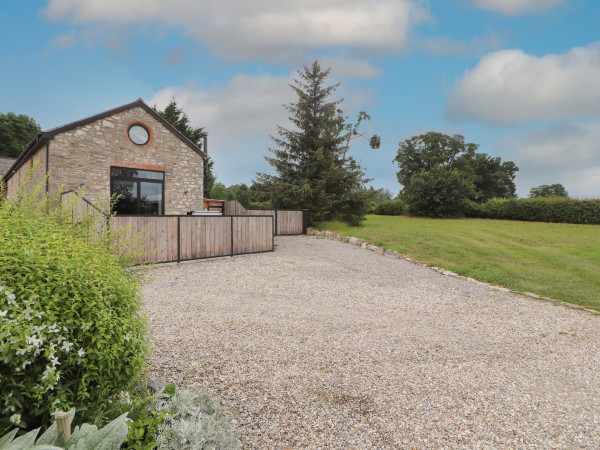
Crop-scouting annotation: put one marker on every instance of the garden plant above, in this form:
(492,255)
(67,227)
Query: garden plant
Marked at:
(72,331)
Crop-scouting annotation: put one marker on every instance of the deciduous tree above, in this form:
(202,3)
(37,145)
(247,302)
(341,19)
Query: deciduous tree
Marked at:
(554,190)
(16,131)
(450,159)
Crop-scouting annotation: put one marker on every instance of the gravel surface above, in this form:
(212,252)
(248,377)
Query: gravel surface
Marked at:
(322,344)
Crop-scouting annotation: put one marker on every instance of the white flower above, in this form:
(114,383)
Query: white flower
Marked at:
(36,342)
(10,295)
(81,353)
(49,370)
(127,337)
(85,327)
(25,364)
(15,418)
(67,346)
(3,313)
(21,351)
(54,361)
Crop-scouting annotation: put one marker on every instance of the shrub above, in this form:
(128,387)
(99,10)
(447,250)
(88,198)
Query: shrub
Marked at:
(389,208)
(71,329)
(541,209)
(439,192)
(195,420)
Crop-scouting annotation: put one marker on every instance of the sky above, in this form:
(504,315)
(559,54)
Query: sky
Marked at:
(521,78)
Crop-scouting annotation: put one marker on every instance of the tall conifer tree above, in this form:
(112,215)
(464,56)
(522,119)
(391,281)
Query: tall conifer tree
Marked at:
(313,169)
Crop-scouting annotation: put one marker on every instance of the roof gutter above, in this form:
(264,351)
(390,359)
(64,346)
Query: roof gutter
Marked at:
(35,143)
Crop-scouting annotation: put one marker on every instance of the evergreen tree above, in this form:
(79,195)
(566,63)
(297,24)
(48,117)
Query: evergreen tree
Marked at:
(313,169)
(179,119)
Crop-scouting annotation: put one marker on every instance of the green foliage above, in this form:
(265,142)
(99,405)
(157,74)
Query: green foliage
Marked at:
(541,209)
(146,420)
(86,437)
(195,421)
(313,169)
(439,192)
(554,190)
(239,192)
(375,197)
(15,133)
(390,208)
(488,176)
(179,119)
(71,328)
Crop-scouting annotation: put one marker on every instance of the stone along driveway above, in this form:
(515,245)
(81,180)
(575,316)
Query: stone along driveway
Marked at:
(324,344)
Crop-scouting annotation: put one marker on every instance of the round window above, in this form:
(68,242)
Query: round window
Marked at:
(138,134)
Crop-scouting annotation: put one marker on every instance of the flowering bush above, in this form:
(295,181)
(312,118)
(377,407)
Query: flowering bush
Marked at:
(71,331)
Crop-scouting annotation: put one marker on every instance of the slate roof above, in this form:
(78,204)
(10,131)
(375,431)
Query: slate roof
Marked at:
(5,165)
(45,136)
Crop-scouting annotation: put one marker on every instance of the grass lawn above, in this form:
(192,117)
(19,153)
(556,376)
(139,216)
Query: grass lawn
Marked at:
(561,261)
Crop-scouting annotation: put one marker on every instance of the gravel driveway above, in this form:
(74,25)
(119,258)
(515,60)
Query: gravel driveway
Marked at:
(325,344)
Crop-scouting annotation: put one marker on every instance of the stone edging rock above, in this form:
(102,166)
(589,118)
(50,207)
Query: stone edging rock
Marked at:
(394,254)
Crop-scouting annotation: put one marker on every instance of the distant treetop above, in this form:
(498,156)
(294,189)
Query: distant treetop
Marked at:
(16,131)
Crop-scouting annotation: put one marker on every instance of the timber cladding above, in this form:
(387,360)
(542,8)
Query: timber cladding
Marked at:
(180,238)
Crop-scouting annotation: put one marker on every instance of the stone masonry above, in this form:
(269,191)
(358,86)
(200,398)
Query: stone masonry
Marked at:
(84,155)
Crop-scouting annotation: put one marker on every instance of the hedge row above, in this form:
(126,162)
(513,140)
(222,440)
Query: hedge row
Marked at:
(389,208)
(541,209)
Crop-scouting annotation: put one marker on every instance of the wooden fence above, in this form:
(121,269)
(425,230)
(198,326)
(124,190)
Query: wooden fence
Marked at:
(181,238)
(287,221)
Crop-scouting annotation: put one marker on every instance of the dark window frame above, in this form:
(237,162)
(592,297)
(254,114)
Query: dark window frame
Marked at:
(145,127)
(139,180)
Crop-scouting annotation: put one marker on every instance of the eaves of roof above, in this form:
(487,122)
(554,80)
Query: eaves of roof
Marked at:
(45,136)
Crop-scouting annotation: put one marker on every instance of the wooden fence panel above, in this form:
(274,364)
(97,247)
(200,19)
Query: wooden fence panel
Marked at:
(158,237)
(205,236)
(264,212)
(234,208)
(289,222)
(252,234)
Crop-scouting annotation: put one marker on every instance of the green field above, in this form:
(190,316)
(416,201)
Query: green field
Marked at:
(560,261)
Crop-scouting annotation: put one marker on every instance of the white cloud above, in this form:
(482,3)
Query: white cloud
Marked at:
(238,117)
(509,87)
(566,153)
(516,7)
(349,67)
(248,107)
(269,29)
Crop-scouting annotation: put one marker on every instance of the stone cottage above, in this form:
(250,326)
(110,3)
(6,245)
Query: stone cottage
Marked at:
(129,150)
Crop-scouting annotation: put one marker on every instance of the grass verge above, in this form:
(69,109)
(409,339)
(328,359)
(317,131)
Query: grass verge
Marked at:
(561,261)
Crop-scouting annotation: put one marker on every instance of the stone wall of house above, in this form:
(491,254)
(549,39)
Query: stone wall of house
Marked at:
(84,156)
(37,164)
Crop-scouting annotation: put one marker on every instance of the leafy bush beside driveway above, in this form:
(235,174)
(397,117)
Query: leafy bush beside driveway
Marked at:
(72,332)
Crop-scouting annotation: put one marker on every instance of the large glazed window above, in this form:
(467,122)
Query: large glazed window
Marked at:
(139,191)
